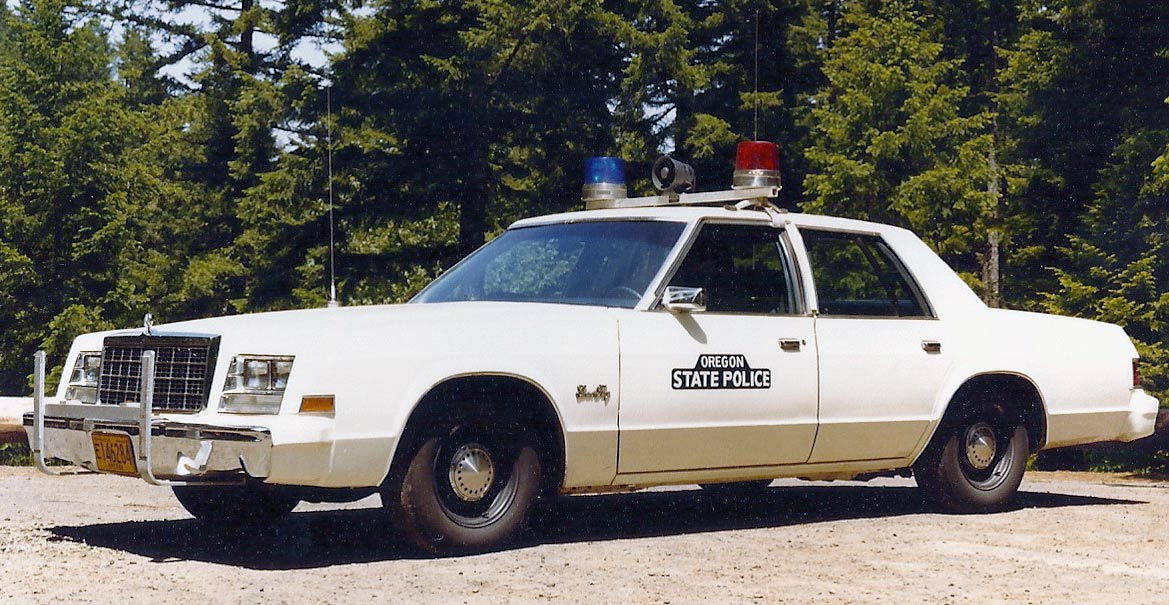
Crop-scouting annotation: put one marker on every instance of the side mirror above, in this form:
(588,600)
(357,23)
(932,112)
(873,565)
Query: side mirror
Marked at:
(678,299)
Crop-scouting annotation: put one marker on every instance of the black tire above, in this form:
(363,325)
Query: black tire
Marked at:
(737,488)
(465,490)
(977,465)
(237,506)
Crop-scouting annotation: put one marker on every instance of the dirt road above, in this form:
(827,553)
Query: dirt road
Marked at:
(1073,539)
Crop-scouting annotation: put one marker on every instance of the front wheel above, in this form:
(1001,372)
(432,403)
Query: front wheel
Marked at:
(465,490)
(978,468)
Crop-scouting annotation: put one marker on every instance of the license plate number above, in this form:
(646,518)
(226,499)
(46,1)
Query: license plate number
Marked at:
(114,453)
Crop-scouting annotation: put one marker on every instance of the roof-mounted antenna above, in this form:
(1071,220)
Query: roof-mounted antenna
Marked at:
(756,137)
(332,243)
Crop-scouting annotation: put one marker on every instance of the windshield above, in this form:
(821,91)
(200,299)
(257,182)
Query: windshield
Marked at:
(605,263)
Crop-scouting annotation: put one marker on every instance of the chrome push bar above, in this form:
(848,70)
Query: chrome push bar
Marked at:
(145,425)
(145,417)
(37,441)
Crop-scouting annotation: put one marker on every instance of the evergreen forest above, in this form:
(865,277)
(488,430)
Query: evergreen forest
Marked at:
(173,156)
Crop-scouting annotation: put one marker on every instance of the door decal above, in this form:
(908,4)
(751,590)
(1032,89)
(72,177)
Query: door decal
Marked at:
(721,372)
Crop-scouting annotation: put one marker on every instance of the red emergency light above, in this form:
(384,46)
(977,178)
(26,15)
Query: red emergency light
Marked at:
(756,165)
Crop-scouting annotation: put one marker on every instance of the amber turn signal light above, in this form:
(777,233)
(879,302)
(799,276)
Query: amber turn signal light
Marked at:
(316,404)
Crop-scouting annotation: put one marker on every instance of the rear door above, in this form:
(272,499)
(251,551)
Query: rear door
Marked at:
(882,355)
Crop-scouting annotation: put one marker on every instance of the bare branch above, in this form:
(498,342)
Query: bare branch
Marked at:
(515,50)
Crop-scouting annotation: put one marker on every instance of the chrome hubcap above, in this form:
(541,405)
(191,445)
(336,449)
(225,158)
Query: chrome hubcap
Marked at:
(472,472)
(980,446)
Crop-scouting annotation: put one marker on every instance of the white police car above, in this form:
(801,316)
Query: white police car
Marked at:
(643,342)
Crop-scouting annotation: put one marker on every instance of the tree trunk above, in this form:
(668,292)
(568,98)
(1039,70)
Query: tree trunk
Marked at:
(247,39)
(473,204)
(477,166)
(992,293)
(832,18)
(991,279)
(683,118)
(992,285)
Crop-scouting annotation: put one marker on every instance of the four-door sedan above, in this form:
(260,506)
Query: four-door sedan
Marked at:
(649,342)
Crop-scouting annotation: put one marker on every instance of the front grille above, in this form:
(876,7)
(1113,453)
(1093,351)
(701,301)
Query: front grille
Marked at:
(182,370)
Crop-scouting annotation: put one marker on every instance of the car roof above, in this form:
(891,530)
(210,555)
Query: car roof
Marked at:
(691,214)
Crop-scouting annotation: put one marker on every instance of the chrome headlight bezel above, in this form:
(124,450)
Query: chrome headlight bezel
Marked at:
(255,384)
(85,377)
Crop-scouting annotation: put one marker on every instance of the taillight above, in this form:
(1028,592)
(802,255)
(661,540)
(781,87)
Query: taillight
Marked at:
(1136,373)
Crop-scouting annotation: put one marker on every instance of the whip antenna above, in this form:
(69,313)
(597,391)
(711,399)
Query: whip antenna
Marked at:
(756,137)
(332,244)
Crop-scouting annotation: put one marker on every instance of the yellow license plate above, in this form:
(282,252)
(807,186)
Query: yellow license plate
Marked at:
(114,453)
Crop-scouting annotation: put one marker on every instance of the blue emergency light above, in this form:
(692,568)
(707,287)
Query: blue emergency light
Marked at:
(605,169)
(604,180)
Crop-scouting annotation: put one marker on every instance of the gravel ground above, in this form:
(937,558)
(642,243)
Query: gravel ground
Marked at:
(1074,538)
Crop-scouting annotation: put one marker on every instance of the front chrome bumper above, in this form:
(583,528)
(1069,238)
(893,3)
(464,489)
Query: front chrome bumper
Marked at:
(166,452)
(179,451)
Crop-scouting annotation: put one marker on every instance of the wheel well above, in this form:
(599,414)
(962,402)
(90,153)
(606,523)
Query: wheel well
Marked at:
(504,399)
(1018,394)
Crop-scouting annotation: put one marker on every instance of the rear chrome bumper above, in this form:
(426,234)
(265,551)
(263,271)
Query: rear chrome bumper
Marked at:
(166,452)
(1142,416)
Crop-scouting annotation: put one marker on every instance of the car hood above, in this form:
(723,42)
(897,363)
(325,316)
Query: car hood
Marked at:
(385,328)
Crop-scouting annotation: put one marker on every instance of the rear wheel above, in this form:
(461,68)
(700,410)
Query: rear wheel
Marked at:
(237,505)
(978,465)
(466,488)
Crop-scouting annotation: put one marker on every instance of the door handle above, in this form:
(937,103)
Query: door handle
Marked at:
(790,344)
(931,346)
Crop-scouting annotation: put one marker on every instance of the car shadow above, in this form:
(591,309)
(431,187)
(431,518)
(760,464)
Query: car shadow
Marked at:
(325,538)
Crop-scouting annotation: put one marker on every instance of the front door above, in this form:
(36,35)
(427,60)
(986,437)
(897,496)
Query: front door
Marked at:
(733,386)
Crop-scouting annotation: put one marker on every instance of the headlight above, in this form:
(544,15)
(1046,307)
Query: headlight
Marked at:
(83,382)
(255,384)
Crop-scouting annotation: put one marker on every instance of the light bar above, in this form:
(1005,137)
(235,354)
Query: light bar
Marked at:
(756,165)
(691,199)
(604,181)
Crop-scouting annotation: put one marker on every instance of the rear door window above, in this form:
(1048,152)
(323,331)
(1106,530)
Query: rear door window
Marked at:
(859,275)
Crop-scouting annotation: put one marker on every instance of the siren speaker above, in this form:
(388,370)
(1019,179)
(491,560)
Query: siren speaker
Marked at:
(672,176)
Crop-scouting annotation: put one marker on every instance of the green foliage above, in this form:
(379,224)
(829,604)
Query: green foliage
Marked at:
(1115,264)
(1105,458)
(689,83)
(890,141)
(69,141)
(1156,465)
(15,454)
(1034,129)
(19,454)
(446,131)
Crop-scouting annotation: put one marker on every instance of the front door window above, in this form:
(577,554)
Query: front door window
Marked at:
(742,268)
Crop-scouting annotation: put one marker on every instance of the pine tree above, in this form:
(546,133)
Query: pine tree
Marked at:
(1114,128)
(702,76)
(892,143)
(453,120)
(78,175)
(246,93)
